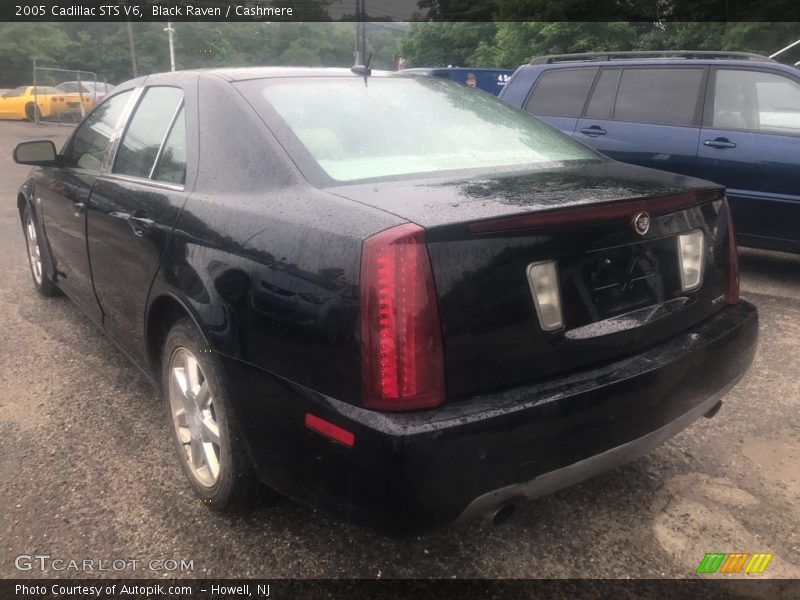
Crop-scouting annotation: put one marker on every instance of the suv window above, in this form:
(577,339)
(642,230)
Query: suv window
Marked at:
(660,96)
(89,142)
(756,101)
(601,106)
(171,165)
(146,131)
(561,92)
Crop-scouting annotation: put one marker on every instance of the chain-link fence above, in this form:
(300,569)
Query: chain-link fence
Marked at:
(62,96)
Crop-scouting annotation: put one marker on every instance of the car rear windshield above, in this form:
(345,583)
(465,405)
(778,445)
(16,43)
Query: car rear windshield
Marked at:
(398,126)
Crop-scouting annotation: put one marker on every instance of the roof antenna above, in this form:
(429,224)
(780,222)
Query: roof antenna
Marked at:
(363,69)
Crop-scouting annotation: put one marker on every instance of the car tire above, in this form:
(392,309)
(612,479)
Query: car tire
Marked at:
(32,112)
(36,255)
(204,428)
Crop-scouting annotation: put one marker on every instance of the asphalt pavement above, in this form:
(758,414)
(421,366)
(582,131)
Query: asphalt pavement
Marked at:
(88,472)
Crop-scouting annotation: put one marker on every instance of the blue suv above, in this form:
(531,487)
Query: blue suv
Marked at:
(730,117)
(488,80)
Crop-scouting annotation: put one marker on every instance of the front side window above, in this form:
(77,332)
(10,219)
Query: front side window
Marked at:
(89,143)
(561,92)
(146,131)
(661,96)
(756,101)
(403,125)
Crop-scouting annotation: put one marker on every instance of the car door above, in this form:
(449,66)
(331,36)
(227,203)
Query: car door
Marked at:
(133,209)
(558,96)
(648,116)
(66,195)
(750,142)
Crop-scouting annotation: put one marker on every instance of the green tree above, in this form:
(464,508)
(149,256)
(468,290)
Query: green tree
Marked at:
(427,44)
(515,43)
(21,42)
(103,47)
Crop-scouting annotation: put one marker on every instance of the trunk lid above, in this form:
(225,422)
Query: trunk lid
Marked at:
(620,289)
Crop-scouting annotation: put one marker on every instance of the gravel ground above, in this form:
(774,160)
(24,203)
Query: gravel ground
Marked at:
(88,471)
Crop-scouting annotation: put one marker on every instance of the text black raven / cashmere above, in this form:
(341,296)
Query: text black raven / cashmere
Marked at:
(398,300)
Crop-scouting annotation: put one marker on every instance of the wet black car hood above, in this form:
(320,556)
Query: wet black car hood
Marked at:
(431,202)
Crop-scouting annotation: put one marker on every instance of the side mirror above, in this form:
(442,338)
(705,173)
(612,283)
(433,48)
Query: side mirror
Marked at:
(39,154)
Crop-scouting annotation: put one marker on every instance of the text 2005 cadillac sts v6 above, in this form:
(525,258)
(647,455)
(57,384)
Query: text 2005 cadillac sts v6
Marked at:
(395,298)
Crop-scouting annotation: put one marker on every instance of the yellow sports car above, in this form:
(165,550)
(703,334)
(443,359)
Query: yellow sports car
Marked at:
(22,103)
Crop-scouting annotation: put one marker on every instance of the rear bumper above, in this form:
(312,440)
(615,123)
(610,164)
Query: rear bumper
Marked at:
(410,472)
(521,493)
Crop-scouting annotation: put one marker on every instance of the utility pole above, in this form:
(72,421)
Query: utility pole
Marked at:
(170,30)
(132,50)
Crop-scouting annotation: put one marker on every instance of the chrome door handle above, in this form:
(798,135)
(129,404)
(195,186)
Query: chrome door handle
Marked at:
(139,225)
(142,222)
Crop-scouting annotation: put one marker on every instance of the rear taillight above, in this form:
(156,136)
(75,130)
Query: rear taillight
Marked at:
(402,358)
(733,258)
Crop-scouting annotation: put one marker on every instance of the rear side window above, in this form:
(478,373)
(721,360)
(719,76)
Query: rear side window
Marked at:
(87,149)
(756,101)
(658,96)
(601,106)
(147,130)
(561,92)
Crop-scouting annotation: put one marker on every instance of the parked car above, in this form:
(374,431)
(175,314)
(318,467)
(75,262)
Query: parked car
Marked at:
(729,117)
(488,80)
(24,102)
(96,90)
(516,311)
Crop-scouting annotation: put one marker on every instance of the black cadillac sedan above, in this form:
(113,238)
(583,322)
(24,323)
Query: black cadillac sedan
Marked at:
(396,299)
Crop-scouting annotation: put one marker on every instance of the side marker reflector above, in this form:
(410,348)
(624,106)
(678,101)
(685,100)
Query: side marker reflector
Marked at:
(329,430)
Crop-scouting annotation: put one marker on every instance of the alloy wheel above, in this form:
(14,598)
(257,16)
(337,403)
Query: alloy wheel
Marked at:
(34,252)
(194,417)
